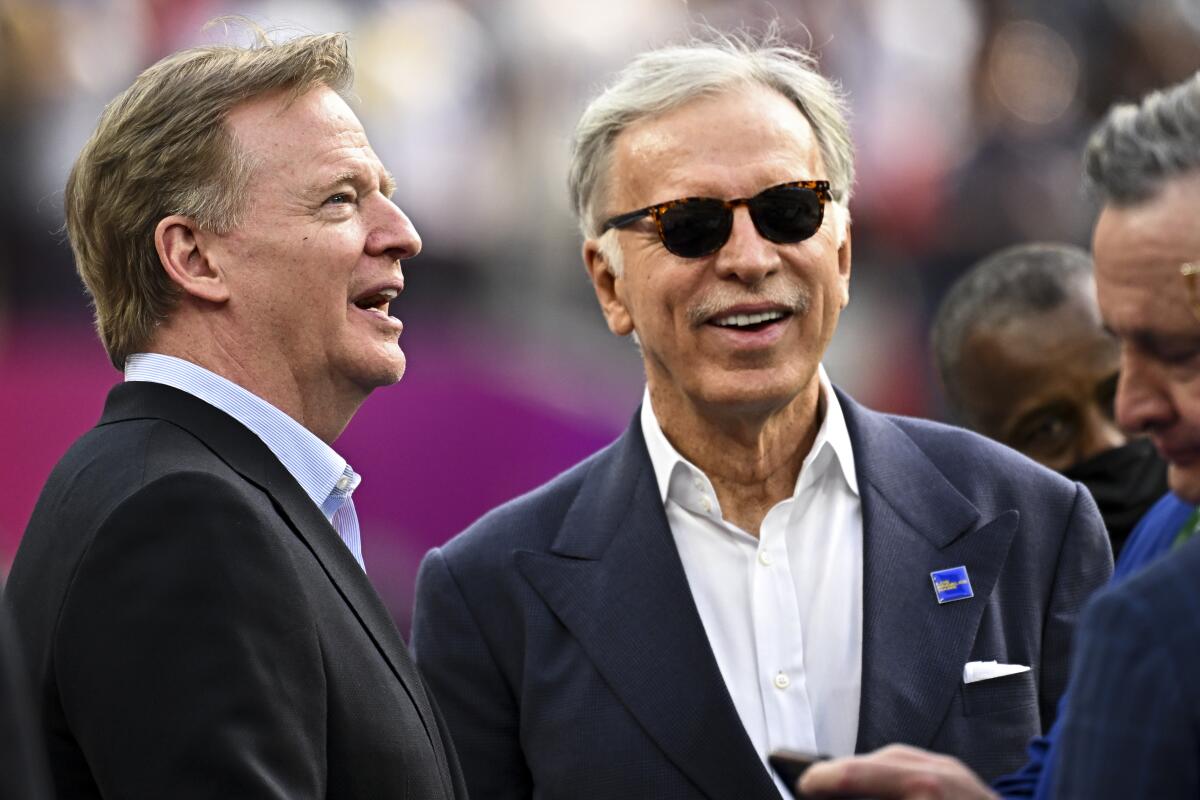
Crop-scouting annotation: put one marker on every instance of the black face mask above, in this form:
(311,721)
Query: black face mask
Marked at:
(1125,482)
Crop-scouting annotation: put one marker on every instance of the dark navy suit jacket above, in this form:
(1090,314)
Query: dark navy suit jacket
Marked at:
(561,641)
(1132,728)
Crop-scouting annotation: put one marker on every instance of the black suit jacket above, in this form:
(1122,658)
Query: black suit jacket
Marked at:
(22,762)
(197,628)
(561,640)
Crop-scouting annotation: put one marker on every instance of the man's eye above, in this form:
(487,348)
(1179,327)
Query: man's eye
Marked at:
(1050,430)
(1046,437)
(340,198)
(1177,357)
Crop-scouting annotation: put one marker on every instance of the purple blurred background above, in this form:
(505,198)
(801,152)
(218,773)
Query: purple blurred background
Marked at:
(969,117)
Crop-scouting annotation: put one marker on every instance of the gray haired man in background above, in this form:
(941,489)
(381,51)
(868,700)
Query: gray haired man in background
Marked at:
(1131,725)
(759,562)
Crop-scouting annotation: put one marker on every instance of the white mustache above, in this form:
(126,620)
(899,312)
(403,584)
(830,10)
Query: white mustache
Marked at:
(792,297)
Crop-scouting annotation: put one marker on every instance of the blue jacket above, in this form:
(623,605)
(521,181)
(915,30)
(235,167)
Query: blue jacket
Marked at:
(1133,728)
(1152,537)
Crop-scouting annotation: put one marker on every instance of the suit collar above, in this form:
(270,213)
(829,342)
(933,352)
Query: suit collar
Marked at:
(889,461)
(315,465)
(915,522)
(247,455)
(614,578)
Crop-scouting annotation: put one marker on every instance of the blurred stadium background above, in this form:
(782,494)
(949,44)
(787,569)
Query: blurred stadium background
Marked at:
(969,117)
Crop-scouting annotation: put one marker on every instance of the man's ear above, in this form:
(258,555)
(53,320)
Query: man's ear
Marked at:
(843,256)
(607,288)
(186,261)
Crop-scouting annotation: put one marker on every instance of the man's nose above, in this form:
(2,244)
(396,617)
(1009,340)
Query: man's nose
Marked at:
(747,256)
(1143,404)
(392,234)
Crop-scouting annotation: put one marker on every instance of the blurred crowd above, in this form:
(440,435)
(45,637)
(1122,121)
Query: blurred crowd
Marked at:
(968,118)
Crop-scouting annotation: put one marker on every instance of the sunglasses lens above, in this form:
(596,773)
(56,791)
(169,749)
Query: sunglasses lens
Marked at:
(787,214)
(695,228)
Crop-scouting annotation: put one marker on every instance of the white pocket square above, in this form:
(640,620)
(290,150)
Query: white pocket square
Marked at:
(976,671)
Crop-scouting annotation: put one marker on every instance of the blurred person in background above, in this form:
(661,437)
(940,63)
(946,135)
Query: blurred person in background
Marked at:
(190,589)
(1024,359)
(759,562)
(1133,726)
(1128,725)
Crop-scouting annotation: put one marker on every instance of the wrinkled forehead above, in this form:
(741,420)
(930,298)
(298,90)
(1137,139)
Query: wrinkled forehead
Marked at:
(278,129)
(1051,336)
(1139,250)
(731,144)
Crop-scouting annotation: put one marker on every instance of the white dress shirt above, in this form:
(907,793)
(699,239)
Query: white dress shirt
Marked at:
(783,612)
(323,475)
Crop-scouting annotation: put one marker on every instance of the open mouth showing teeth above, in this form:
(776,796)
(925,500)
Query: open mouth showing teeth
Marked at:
(378,301)
(749,322)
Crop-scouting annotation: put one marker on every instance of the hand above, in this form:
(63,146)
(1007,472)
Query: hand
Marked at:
(895,772)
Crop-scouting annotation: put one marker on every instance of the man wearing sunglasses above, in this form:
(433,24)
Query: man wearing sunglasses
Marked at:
(759,562)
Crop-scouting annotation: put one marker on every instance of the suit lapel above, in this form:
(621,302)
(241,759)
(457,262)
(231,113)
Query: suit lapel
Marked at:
(915,522)
(245,453)
(614,578)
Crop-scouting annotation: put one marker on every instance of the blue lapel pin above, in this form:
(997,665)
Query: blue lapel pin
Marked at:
(951,584)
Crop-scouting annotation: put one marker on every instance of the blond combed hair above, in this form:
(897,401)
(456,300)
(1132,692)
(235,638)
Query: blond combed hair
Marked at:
(162,147)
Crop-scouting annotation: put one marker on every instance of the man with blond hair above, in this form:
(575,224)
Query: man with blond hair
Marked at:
(190,589)
(759,562)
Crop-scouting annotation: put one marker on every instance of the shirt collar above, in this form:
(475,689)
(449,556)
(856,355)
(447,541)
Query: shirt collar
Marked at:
(319,470)
(832,435)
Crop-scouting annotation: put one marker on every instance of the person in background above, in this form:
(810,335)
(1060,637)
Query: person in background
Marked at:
(190,589)
(1128,724)
(759,562)
(1024,359)
(1133,726)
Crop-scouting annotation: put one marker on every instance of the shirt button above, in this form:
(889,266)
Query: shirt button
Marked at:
(342,483)
(782,681)
(764,557)
(706,504)
(699,484)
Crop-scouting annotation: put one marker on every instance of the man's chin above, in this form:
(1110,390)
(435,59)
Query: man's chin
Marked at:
(394,374)
(749,398)
(383,371)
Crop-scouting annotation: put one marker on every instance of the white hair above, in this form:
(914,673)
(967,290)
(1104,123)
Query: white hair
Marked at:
(1138,148)
(659,81)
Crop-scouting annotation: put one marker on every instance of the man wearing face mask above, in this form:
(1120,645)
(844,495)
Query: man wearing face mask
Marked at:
(1024,359)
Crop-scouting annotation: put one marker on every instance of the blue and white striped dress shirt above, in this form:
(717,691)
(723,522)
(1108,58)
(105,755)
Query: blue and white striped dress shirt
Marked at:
(323,475)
